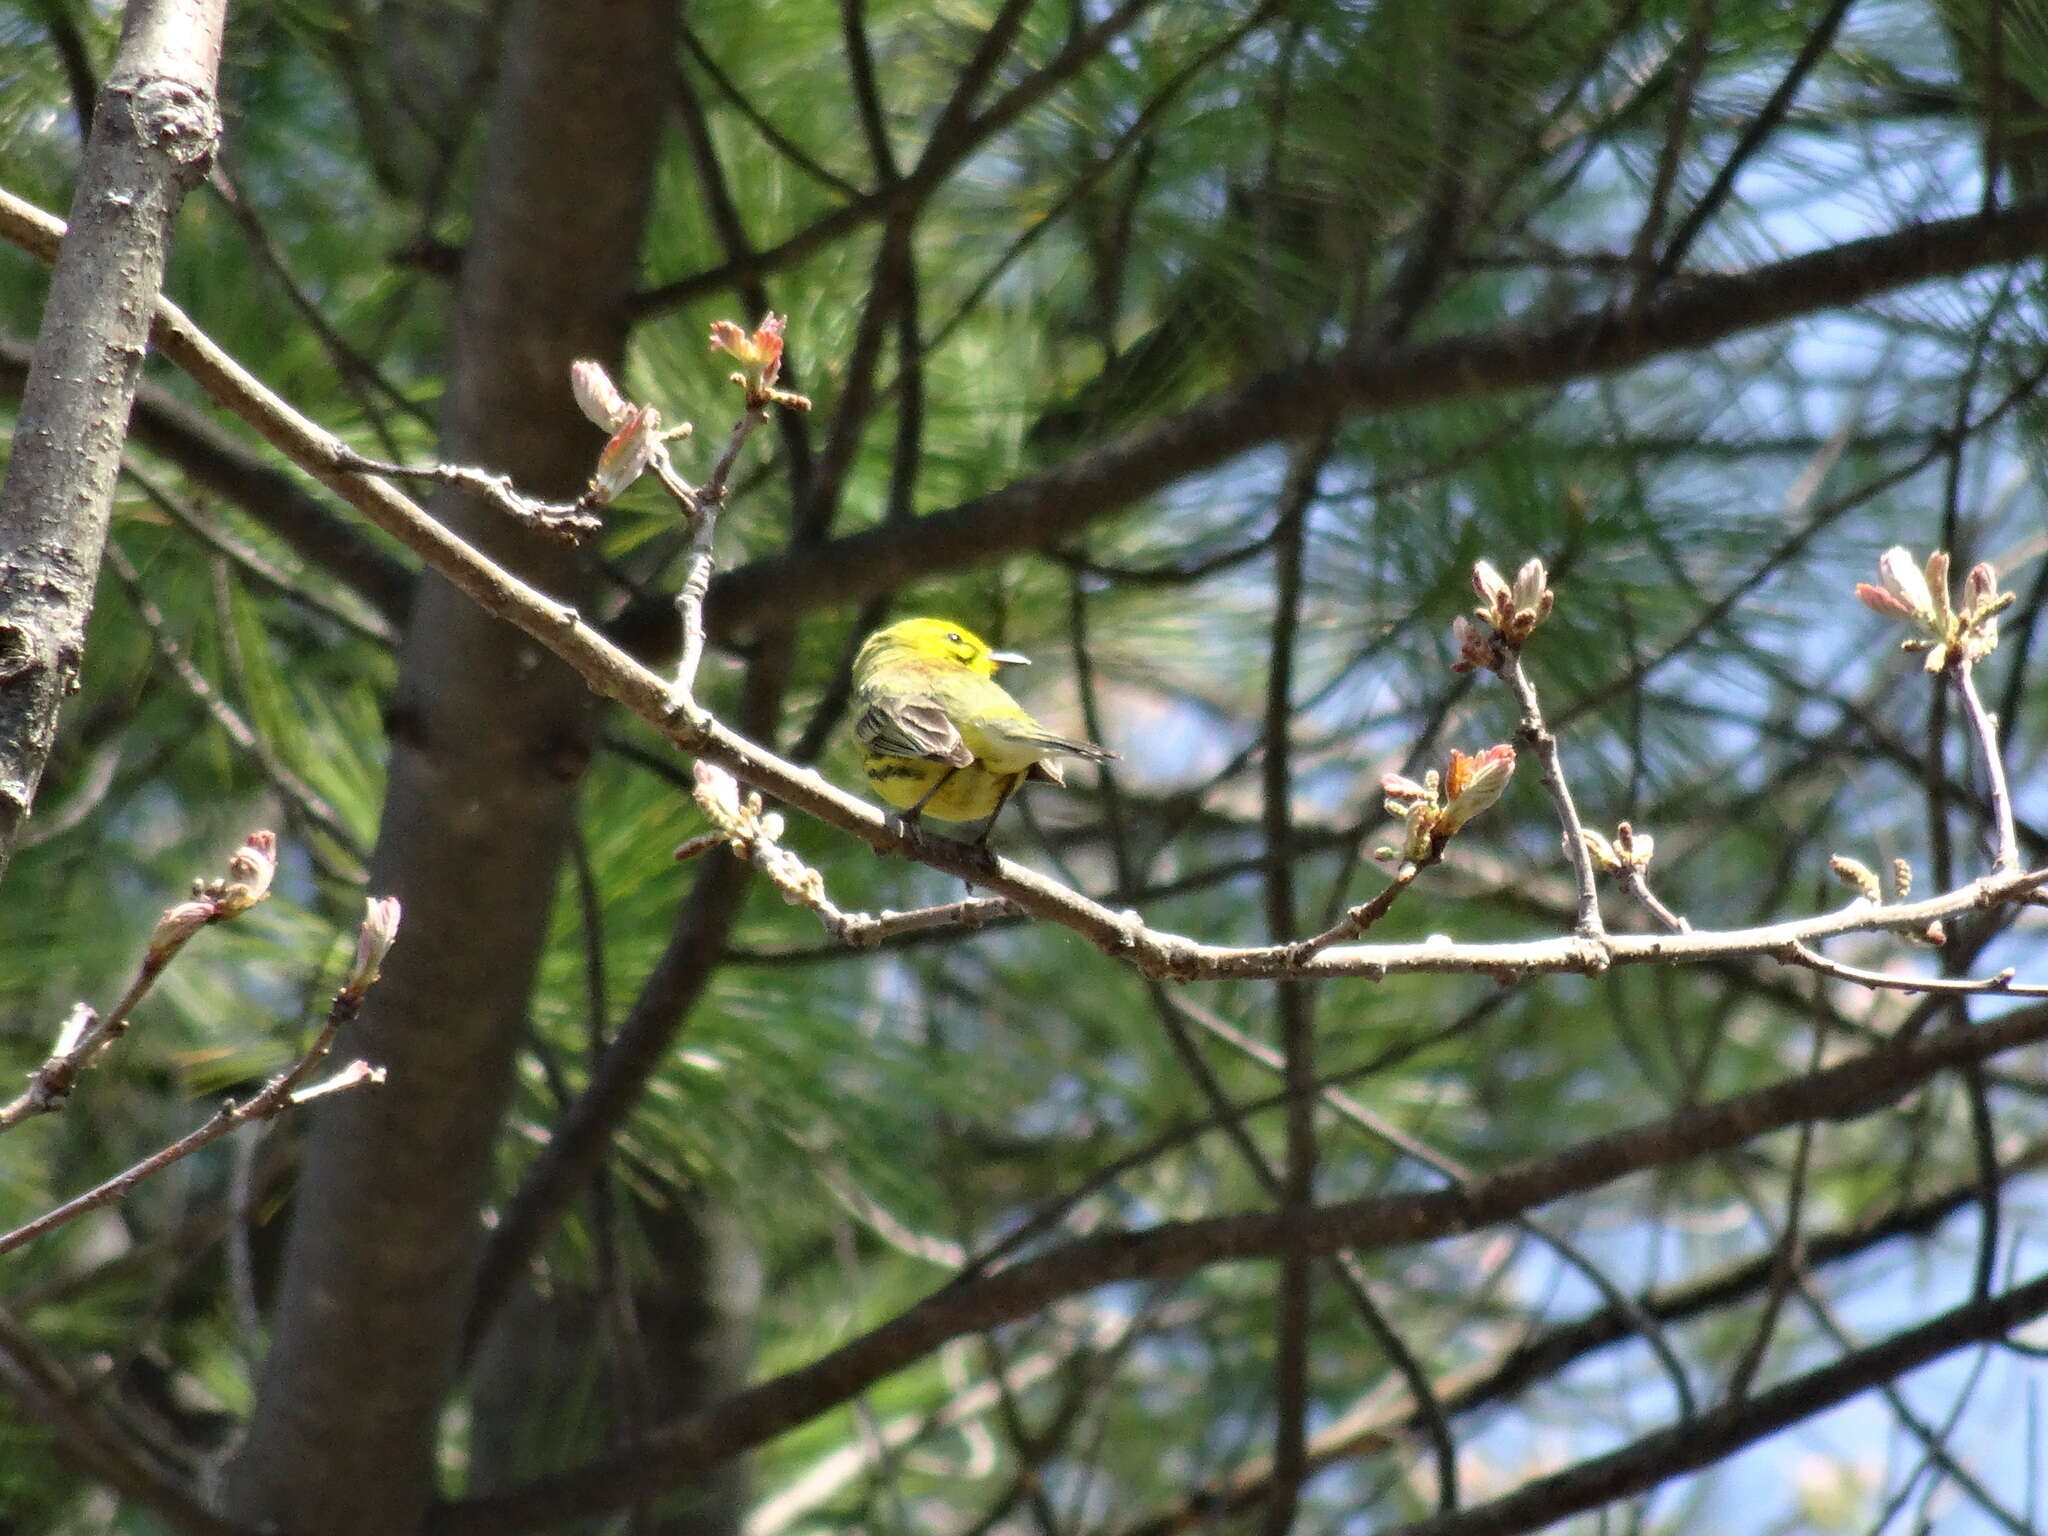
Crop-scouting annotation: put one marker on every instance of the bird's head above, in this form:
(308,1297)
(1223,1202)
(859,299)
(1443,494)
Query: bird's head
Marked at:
(936,640)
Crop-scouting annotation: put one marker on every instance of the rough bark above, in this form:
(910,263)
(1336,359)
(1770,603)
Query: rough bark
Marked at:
(489,738)
(154,134)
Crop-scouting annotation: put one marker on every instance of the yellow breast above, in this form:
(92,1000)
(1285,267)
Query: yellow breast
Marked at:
(970,794)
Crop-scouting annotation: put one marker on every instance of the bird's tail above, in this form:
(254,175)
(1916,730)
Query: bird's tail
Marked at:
(1026,734)
(1087,749)
(1067,746)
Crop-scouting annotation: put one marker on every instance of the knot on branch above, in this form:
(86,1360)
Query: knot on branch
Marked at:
(1162,957)
(1591,956)
(171,118)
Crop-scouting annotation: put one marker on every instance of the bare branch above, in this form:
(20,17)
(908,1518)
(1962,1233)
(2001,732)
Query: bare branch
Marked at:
(1538,736)
(250,870)
(1043,509)
(300,796)
(1985,726)
(281,1093)
(1656,1458)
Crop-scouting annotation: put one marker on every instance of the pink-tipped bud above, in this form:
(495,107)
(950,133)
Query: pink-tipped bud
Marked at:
(1399,787)
(1479,646)
(1980,587)
(1937,590)
(1879,601)
(626,457)
(758,353)
(373,942)
(597,397)
(251,868)
(702,843)
(1492,587)
(1475,783)
(1903,580)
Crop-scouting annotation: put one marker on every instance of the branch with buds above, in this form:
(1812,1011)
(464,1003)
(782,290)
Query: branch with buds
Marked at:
(1508,614)
(754,834)
(639,444)
(1431,814)
(285,1091)
(1955,637)
(85,1034)
(1628,857)
(1123,935)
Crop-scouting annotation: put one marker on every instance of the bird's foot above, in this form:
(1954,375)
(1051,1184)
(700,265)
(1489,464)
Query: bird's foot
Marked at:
(980,854)
(914,840)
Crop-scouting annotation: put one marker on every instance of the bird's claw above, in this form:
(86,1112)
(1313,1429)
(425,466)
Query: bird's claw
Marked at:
(913,840)
(908,831)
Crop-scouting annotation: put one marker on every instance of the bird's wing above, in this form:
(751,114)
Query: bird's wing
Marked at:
(915,725)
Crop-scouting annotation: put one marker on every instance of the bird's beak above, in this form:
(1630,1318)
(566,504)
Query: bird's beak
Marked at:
(1009,658)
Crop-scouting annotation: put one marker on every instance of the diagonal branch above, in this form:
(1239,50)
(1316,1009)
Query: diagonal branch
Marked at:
(689,1444)
(1042,509)
(1374,1427)
(1658,1457)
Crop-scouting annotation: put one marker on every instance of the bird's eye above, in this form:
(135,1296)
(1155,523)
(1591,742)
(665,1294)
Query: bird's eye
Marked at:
(955,638)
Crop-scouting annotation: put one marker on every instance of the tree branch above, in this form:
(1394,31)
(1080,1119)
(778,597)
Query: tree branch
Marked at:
(760,1413)
(1045,508)
(1669,1453)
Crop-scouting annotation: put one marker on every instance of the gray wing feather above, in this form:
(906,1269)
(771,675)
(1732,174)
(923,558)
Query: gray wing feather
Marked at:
(914,727)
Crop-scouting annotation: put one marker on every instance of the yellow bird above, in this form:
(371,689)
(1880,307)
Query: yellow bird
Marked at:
(938,735)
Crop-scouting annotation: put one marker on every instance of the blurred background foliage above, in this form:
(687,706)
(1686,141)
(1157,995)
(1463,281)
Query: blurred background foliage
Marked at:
(1218,190)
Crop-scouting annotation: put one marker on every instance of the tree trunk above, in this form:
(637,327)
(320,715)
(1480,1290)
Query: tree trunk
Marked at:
(489,738)
(153,136)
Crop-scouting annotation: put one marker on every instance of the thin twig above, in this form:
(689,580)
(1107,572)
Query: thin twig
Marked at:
(701,506)
(85,1034)
(359,616)
(294,790)
(570,520)
(2001,982)
(1754,133)
(1355,922)
(1788,1255)
(279,1094)
(1637,885)
(772,136)
(1348,1107)
(2007,859)
(864,930)
(1535,734)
